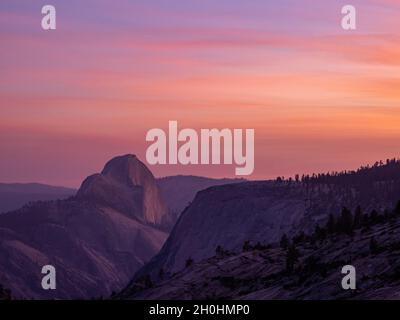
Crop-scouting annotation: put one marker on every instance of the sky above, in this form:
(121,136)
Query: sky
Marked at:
(319,98)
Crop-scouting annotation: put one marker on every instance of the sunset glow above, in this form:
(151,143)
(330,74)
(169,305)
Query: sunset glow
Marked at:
(319,98)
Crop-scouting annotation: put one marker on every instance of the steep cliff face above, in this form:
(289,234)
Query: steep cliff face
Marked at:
(260,272)
(263,211)
(126,185)
(229,215)
(96,240)
(179,191)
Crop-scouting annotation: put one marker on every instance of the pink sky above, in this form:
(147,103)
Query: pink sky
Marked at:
(320,98)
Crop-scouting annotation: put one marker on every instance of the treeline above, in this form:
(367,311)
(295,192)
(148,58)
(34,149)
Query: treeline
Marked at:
(345,224)
(388,170)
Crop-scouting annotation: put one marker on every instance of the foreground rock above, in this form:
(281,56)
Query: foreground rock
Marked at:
(262,211)
(261,272)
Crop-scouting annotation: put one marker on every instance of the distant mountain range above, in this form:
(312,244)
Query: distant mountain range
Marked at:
(14,195)
(177,192)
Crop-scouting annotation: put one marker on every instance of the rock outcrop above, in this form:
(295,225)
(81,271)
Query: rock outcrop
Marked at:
(96,240)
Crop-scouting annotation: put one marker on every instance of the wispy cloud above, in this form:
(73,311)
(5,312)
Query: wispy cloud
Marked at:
(110,72)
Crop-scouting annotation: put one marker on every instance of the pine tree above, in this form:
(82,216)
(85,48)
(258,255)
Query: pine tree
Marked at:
(331,224)
(189,262)
(299,238)
(373,246)
(284,243)
(374,217)
(292,256)
(357,218)
(246,246)
(319,233)
(345,223)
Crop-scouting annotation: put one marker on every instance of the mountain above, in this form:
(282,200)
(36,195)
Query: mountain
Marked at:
(179,191)
(95,240)
(260,272)
(14,195)
(262,211)
(176,192)
(126,185)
